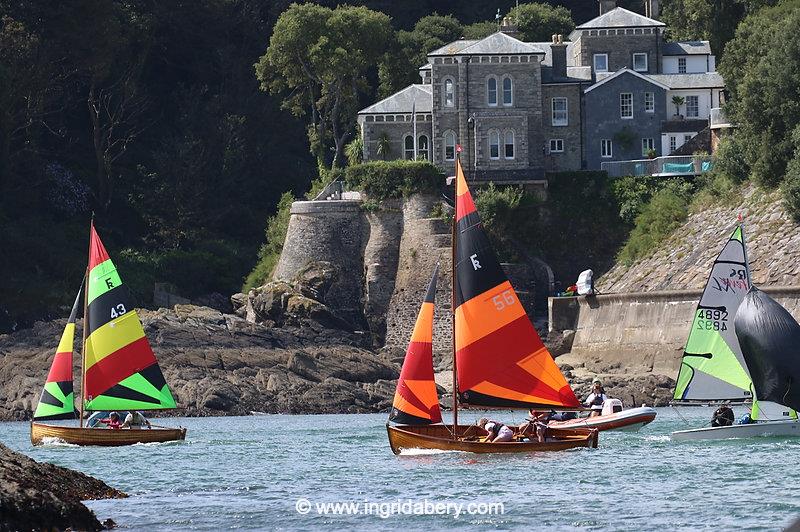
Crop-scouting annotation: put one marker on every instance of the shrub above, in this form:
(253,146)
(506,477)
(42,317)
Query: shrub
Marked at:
(394,179)
(271,251)
(634,192)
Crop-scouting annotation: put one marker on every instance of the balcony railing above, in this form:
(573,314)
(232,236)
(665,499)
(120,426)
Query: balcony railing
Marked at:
(675,165)
(718,118)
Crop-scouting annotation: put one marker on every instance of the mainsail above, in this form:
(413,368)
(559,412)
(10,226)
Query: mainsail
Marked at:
(712,367)
(770,340)
(500,359)
(58,400)
(120,369)
(416,401)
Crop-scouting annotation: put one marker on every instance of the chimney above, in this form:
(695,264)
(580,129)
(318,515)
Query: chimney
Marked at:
(559,54)
(508,27)
(607,5)
(651,8)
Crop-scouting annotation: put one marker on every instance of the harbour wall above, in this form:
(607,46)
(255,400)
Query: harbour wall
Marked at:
(642,332)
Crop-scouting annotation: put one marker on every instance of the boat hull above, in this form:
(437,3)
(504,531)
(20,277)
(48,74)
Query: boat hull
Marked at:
(752,430)
(628,420)
(440,437)
(103,437)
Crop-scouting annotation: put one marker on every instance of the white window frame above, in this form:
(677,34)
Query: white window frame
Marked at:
(673,143)
(494,142)
(509,134)
(606,149)
(647,145)
(646,63)
(510,91)
(423,154)
(594,62)
(623,106)
(559,121)
(681,65)
(649,102)
(556,145)
(489,91)
(451,101)
(408,151)
(687,137)
(696,106)
(448,137)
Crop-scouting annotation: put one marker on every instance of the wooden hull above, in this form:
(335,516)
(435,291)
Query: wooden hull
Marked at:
(440,437)
(629,420)
(103,437)
(752,430)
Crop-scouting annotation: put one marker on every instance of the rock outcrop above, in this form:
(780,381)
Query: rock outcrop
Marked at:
(41,496)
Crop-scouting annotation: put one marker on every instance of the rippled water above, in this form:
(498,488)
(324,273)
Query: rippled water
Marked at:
(249,472)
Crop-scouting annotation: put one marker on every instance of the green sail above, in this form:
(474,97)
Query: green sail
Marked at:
(713,367)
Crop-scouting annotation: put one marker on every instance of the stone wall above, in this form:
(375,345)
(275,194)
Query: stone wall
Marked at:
(572,156)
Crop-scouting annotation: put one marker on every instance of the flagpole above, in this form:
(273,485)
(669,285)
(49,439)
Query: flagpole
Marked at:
(414,125)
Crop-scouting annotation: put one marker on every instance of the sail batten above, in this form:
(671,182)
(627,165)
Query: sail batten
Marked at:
(500,359)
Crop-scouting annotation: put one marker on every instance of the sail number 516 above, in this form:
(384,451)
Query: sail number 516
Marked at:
(503,300)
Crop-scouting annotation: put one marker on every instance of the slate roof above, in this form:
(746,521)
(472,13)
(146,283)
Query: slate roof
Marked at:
(548,52)
(687,48)
(623,71)
(620,17)
(682,126)
(403,101)
(574,75)
(497,43)
(705,80)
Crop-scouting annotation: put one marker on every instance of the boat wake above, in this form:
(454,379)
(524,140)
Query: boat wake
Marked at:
(50,441)
(426,452)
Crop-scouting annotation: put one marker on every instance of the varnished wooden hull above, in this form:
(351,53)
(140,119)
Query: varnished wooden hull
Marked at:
(103,437)
(440,437)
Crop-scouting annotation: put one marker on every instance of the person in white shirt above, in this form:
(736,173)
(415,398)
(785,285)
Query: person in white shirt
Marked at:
(135,420)
(596,398)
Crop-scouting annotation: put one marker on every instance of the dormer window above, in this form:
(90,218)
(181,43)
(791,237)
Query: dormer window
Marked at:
(640,62)
(449,93)
(508,98)
(601,62)
(491,91)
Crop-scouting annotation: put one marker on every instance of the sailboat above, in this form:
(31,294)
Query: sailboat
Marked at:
(714,367)
(499,361)
(119,369)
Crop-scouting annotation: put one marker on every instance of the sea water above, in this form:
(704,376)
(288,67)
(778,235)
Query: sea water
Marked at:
(337,471)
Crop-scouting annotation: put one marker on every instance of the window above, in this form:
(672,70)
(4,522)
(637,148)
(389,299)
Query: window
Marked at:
(509,145)
(626,105)
(491,91)
(559,106)
(606,148)
(450,146)
(647,145)
(649,102)
(556,145)
(692,107)
(640,62)
(449,93)
(681,65)
(673,143)
(601,62)
(507,92)
(494,145)
(687,137)
(408,145)
(422,148)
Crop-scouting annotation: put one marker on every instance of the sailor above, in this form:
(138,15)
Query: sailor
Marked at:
(498,432)
(723,416)
(112,421)
(135,420)
(596,398)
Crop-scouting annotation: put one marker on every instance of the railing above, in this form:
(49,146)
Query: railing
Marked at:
(674,165)
(718,118)
(332,191)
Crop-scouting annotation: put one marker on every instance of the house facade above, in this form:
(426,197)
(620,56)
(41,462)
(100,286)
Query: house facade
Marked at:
(521,109)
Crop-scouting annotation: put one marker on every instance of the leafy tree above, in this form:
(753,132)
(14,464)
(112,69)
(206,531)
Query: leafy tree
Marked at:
(538,22)
(319,58)
(480,30)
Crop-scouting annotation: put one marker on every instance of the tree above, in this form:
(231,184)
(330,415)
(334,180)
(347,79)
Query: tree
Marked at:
(538,22)
(480,30)
(318,59)
(677,101)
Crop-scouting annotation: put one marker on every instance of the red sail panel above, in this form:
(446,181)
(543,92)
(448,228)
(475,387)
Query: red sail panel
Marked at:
(415,401)
(501,361)
(97,251)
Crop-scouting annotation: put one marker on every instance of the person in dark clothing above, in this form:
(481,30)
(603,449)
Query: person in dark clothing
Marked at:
(723,417)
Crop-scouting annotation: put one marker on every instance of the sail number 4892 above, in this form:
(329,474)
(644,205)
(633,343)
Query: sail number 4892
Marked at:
(503,300)
(712,320)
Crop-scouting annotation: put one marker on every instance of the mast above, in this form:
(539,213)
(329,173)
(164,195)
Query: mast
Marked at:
(83,344)
(453,312)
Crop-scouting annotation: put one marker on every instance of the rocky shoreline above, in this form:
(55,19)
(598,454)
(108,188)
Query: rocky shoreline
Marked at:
(41,496)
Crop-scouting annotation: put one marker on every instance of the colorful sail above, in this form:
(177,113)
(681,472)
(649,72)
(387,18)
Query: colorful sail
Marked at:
(415,401)
(713,367)
(770,341)
(500,359)
(58,400)
(121,371)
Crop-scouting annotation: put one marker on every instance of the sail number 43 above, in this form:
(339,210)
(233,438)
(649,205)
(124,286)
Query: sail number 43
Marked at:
(712,320)
(503,300)
(118,310)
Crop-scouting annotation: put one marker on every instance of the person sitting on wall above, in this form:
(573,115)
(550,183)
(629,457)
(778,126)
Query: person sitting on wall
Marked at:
(596,398)
(723,417)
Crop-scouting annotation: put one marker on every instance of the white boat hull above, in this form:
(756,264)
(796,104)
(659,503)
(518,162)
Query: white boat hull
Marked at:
(630,420)
(752,430)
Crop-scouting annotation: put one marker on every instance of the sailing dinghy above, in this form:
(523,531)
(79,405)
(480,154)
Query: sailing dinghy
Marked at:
(499,360)
(119,370)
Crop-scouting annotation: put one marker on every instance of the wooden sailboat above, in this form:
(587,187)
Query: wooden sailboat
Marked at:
(499,361)
(119,370)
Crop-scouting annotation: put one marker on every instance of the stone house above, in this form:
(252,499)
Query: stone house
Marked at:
(521,109)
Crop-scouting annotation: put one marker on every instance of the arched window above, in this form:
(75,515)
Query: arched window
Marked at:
(494,145)
(408,145)
(449,93)
(450,146)
(422,148)
(491,91)
(509,145)
(508,97)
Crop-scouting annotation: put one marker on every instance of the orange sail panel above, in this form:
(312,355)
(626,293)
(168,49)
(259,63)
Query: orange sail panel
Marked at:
(121,370)
(501,361)
(416,401)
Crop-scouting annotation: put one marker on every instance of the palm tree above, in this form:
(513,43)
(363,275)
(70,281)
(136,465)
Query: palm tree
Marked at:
(678,101)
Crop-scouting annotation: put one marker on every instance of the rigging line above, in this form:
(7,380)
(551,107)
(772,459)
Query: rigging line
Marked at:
(680,415)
